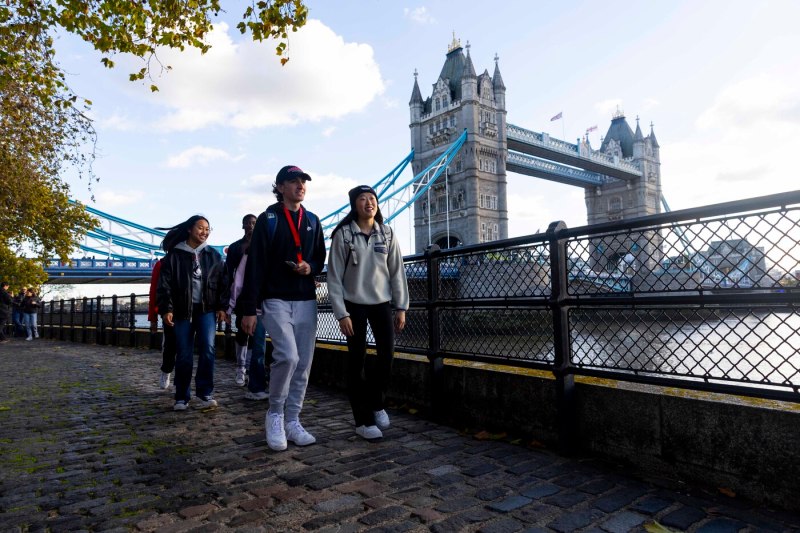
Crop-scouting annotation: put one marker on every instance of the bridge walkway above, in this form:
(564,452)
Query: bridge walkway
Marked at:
(89,442)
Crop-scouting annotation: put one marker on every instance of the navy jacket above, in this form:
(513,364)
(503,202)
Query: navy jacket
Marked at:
(266,274)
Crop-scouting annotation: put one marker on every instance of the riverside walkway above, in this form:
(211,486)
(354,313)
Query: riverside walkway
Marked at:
(89,442)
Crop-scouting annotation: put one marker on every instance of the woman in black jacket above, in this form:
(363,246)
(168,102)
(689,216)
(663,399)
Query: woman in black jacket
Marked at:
(192,294)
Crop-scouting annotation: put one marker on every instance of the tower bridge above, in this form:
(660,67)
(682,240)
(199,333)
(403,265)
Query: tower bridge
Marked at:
(621,179)
(462,149)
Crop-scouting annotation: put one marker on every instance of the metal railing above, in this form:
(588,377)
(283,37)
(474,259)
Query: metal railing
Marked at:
(703,299)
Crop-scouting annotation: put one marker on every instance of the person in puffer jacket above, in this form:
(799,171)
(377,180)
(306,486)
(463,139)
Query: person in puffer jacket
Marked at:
(192,297)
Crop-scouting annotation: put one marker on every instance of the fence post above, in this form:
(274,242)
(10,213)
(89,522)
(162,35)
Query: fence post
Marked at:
(72,320)
(132,327)
(436,361)
(61,335)
(52,312)
(99,324)
(83,319)
(562,368)
(114,315)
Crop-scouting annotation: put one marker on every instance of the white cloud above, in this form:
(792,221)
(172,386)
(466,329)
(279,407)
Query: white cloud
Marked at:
(112,199)
(116,121)
(743,144)
(201,155)
(327,132)
(763,98)
(241,84)
(419,15)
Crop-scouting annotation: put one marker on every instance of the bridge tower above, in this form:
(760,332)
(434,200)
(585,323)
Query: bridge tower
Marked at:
(470,205)
(622,200)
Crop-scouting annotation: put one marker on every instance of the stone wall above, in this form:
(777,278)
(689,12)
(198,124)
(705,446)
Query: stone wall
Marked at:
(736,444)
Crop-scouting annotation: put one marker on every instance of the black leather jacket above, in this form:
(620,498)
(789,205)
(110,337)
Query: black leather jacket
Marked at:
(174,293)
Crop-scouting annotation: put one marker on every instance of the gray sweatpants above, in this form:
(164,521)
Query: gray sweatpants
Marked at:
(292,326)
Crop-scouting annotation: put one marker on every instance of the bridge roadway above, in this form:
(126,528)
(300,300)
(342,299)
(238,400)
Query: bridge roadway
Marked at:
(88,442)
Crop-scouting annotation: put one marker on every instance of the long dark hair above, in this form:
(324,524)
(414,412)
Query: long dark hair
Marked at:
(179,233)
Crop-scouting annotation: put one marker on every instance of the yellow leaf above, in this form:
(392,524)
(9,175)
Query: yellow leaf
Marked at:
(727,492)
(655,527)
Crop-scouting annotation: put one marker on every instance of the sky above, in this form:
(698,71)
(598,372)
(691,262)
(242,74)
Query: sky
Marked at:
(719,81)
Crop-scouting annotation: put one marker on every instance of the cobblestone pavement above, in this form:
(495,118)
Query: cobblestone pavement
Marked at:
(89,442)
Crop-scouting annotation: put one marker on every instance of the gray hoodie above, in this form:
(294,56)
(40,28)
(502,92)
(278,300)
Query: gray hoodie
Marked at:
(197,273)
(372,275)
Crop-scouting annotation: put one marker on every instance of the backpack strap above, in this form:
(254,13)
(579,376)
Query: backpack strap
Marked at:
(272,223)
(348,241)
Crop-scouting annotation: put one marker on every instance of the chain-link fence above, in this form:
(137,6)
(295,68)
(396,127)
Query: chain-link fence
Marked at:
(703,298)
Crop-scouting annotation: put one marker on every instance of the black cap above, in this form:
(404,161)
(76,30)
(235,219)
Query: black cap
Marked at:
(290,172)
(355,192)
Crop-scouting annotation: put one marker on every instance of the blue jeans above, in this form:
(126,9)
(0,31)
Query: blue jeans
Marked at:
(201,327)
(19,322)
(30,324)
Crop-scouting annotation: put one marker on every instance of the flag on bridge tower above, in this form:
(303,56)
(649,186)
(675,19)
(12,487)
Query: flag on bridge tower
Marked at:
(557,117)
(591,129)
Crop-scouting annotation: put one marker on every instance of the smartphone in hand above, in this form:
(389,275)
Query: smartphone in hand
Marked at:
(291,264)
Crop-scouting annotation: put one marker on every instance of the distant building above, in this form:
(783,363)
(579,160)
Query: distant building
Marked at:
(738,261)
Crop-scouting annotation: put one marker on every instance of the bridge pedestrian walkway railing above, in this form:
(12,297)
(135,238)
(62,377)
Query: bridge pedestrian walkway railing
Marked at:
(704,298)
(545,141)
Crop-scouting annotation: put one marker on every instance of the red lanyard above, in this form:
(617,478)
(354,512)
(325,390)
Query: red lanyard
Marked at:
(294,229)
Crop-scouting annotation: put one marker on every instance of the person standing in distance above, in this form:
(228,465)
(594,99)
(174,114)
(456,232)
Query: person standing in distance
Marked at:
(250,350)
(192,295)
(30,306)
(6,302)
(366,284)
(287,251)
(168,348)
(18,315)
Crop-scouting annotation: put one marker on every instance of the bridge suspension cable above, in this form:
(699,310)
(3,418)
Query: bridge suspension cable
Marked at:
(396,198)
(121,239)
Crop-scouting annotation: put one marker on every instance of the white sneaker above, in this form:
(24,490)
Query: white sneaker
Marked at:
(35,335)
(29,339)
(241,373)
(276,435)
(382,419)
(163,381)
(180,405)
(297,434)
(369,432)
(256,395)
(206,402)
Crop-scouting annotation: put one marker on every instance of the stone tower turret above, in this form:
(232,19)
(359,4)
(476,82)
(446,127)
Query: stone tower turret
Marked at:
(470,206)
(623,200)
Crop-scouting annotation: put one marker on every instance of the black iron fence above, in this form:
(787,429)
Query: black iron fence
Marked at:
(703,298)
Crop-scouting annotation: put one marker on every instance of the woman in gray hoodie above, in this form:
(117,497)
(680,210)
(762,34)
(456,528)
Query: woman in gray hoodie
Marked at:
(367,284)
(192,297)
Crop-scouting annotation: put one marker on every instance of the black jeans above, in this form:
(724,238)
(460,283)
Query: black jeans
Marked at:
(168,349)
(368,377)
